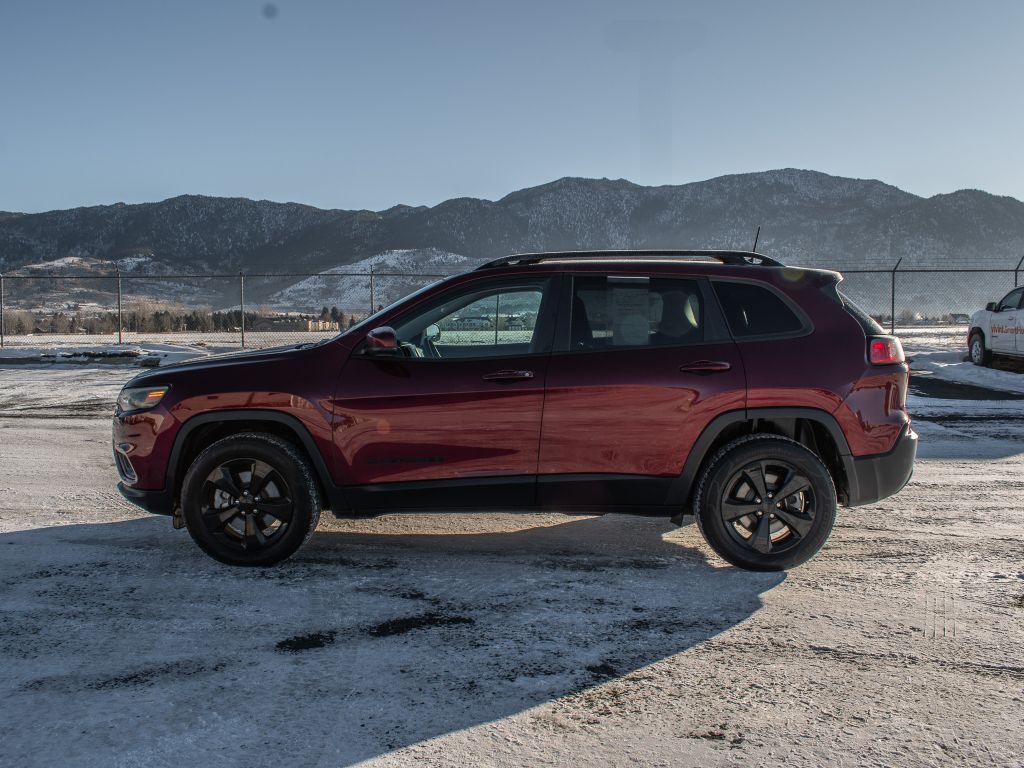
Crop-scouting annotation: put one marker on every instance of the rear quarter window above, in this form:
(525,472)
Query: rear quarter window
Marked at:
(753,310)
(868,323)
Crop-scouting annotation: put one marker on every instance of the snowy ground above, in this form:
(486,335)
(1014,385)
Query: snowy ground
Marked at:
(506,640)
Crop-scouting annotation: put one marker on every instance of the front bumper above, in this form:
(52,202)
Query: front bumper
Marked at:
(873,478)
(159,502)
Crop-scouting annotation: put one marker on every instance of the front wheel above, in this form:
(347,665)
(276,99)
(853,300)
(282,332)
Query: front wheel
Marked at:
(250,499)
(979,356)
(765,503)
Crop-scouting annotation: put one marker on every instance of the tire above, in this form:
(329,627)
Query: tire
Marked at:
(976,348)
(250,499)
(730,486)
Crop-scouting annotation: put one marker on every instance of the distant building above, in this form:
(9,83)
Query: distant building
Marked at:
(470,323)
(293,323)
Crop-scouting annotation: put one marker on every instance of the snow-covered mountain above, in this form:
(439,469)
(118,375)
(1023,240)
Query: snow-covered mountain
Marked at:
(807,218)
(395,274)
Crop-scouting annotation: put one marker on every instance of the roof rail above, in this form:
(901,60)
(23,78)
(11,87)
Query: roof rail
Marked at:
(732,258)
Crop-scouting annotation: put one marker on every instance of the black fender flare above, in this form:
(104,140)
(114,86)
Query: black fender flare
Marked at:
(335,498)
(679,490)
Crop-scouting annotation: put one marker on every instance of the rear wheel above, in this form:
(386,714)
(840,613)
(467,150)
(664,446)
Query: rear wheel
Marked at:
(250,499)
(765,503)
(979,355)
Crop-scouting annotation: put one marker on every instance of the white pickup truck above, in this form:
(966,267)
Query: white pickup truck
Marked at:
(998,329)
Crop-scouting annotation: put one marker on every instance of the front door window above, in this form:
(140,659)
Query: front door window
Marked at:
(492,322)
(1004,322)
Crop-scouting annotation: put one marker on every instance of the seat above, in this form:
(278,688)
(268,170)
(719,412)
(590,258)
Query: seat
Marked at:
(680,319)
(631,330)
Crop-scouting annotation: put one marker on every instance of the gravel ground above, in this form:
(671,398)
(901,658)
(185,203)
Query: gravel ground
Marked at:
(504,639)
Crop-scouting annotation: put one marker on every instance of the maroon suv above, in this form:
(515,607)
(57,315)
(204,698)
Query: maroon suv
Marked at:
(721,384)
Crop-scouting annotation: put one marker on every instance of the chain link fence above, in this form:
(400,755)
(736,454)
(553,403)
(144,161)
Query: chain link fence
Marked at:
(272,309)
(223,310)
(927,307)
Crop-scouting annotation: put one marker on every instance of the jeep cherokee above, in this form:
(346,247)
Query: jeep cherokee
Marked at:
(721,384)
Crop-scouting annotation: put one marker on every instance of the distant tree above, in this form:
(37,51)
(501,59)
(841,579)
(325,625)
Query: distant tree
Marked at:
(325,313)
(335,314)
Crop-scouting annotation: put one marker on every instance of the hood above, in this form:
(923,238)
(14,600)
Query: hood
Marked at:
(165,373)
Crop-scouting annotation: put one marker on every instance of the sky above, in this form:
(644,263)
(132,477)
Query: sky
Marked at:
(345,104)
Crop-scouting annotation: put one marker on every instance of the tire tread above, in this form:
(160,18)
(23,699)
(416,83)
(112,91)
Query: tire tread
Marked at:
(698,504)
(307,479)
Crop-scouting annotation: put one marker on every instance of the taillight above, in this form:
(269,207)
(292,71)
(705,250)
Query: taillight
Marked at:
(885,350)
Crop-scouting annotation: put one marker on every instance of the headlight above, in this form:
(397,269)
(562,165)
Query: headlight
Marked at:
(140,398)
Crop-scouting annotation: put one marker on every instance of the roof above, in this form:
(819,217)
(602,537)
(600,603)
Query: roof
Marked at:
(732,258)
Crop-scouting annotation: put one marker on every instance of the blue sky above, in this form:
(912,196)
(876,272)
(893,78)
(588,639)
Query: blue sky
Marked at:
(368,104)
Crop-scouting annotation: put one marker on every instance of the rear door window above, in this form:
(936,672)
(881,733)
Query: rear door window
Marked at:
(611,312)
(753,310)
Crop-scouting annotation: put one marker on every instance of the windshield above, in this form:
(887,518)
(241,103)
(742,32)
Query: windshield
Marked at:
(368,322)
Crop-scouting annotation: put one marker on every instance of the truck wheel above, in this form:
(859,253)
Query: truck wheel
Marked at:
(765,503)
(250,499)
(979,355)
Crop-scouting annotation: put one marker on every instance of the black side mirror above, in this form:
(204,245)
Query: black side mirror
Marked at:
(382,342)
(991,307)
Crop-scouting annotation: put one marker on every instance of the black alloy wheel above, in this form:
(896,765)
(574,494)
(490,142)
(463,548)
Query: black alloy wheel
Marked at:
(250,499)
(247,502)
(765,503)
(768,506)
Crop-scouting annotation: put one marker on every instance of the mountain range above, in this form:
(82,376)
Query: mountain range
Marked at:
(807,218)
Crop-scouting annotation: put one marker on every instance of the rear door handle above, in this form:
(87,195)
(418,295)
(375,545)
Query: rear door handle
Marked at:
(705,367)
(508,376)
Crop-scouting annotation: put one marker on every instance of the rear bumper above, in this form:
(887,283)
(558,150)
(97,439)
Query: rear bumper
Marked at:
(158,502)
(873,478)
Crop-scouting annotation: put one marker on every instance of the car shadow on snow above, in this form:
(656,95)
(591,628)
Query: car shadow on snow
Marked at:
(121,642)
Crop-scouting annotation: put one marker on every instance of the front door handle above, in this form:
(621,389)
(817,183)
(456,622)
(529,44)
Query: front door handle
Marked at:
(508,376)
(705,367)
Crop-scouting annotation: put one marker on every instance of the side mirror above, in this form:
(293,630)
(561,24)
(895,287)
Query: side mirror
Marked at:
(432,332)
(382,341)
(991,307)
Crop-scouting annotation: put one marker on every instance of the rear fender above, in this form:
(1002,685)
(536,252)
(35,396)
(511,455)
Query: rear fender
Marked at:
(681,487)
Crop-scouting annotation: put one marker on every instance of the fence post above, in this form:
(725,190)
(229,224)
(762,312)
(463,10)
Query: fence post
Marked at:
(373,303)
(120,324)
(1,310)
(1015,271)
(241,304)
(892,298)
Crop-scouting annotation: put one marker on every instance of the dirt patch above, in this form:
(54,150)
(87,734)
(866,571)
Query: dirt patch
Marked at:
(306,642)
(408,624)
(604,669)
(138,678)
